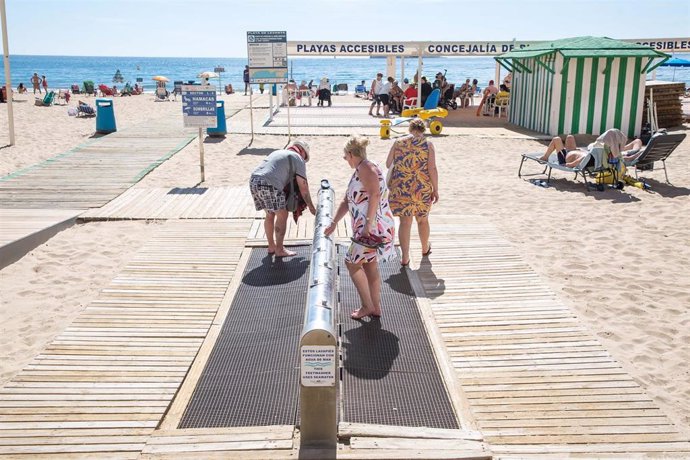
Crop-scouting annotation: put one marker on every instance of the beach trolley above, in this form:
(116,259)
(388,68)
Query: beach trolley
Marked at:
(581,85)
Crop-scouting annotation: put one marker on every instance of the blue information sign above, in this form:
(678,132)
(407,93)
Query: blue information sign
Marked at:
(199,106)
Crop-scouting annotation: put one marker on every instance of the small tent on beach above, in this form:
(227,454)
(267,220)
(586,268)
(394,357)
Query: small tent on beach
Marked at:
(581,85)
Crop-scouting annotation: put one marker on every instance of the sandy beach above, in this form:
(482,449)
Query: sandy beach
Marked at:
(617,258)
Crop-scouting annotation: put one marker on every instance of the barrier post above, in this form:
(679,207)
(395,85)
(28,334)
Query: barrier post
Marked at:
(318,343)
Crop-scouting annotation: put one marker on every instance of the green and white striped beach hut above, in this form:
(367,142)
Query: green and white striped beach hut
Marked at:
(581,85)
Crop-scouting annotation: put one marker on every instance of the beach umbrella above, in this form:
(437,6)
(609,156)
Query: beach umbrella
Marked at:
(160,78)
(676,62)
(208,75)
(118,77)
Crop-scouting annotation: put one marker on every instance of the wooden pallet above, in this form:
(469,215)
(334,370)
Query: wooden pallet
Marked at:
(102,386)
(535,379)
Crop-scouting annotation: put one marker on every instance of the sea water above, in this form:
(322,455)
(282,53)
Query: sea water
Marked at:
(64,71)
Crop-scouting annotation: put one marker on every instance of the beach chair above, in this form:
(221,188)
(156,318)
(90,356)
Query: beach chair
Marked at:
(430,103)
(502,104)
(593,163)
(659,148)
(361,91)
(177,88)
(85,110)
(105,91)
(64,95)
(88,87)
(75,89)
(47,101)
(162,94)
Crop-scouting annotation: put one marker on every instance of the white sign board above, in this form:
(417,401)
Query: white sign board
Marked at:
(199,106)
(317,366)
(443,48)
(268,62)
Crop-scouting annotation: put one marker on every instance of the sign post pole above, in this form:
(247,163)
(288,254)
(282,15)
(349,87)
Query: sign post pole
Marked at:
(420,66)
(288,113)
(201,154)
(199,110)
(251,110)
(219,70)
(8,81)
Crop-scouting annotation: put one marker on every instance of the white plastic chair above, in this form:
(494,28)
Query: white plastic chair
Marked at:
(502,105)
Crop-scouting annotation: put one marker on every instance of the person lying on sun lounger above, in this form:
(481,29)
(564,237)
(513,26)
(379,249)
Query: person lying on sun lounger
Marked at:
(570,155)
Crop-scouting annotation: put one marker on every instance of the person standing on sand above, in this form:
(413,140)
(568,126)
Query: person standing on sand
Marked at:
(375,91)
(36,83)
(45,83)
(267,185)
(245,76)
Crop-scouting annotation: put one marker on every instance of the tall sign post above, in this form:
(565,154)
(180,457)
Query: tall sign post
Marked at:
(6,62)
(199,110)
(267,53)
(219,70)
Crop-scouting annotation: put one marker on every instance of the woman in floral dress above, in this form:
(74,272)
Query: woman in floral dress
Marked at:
(413,186)
(373,227)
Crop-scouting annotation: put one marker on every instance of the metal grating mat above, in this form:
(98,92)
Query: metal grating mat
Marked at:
(251,377)
(390,376)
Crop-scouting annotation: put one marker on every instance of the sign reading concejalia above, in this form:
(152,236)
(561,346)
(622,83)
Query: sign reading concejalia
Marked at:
(459,48)
(317,365)
(267,53)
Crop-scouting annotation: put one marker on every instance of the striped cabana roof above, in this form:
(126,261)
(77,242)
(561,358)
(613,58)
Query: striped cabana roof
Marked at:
(579,85)
(578,47)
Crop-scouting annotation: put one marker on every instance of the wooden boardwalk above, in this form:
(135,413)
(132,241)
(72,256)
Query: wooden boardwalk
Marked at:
(94,173)
(103,385)
(178,203)
(39,201)
(537,381)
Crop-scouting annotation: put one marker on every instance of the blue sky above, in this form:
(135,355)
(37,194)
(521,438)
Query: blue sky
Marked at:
(217,28)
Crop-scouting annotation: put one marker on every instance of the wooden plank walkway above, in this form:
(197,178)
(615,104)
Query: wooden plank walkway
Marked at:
(301,232)
(537,381)
(94,173)
(280,442)
(178,203)
(24,229)
(103,385)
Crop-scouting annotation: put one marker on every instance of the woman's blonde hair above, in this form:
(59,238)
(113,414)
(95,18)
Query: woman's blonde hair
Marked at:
(417,125)
(357,146)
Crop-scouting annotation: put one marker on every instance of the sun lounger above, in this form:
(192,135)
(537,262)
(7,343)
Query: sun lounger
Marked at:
(85,110)
(659,148)
(595,161)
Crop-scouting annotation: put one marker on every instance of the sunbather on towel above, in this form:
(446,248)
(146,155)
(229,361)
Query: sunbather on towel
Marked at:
(570,155)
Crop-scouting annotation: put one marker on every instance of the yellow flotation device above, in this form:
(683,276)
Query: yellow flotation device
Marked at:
(385,130)
(438,112)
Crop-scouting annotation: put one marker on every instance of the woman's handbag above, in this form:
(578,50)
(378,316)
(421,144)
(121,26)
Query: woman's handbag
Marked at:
(291,198)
